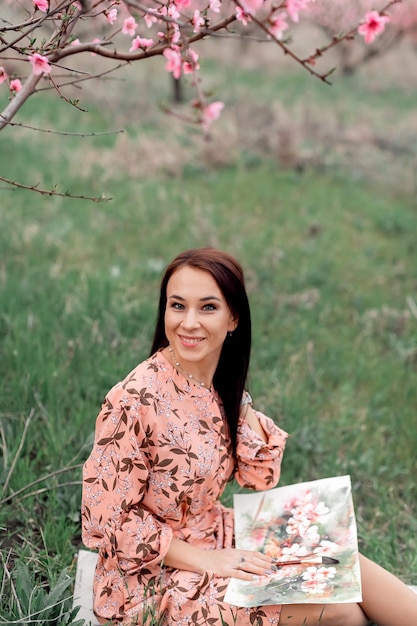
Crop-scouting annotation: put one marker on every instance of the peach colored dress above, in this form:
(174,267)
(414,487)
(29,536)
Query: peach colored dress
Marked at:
(160,462)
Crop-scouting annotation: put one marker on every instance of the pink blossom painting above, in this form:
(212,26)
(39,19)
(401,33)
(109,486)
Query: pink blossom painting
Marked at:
(309,529)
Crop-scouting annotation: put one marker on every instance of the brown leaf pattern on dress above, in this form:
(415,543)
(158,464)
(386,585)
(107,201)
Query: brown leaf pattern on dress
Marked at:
(159,464)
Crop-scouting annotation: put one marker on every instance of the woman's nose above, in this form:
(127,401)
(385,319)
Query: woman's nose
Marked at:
(190,319)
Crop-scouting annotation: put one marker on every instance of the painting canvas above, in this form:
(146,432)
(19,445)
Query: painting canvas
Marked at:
(310,531)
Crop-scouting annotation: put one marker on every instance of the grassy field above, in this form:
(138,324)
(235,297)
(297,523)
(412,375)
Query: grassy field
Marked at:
(313,189)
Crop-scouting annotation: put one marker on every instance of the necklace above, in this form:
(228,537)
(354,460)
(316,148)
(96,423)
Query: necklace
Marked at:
(190,376)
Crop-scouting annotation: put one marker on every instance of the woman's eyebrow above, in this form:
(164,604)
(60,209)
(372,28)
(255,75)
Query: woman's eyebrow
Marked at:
(210,298)
(205,299)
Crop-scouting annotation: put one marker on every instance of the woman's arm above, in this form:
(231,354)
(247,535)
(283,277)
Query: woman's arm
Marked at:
(115,478)
(250,416)
(227,563)
(260,447)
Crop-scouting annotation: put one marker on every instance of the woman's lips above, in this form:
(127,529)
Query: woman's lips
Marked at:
(190,341)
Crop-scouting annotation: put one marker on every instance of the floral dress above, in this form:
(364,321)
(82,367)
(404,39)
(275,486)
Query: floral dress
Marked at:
(160,462)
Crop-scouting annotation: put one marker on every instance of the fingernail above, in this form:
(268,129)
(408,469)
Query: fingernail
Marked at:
(274,568)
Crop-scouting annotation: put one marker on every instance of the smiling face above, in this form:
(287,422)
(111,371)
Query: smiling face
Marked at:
(197,320)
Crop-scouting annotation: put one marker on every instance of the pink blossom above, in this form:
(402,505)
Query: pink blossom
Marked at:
(312,535)
(210,113)
(40,64)
(129,26)
(176,34)
(15,85)
(191,66)
(316,511)
(243,17)
(300,501)
(111,16)
(149,19)
(172,12)
(373,25)
(75,42)
(182,4)
(42,5)
(295,6)
(251,6)
(297,527)
(278,23)
(197,21)
(140,42)
(294,549)
(308,510)
(313,586)
(258,534)
(3,75)
(215,6)
(317,578)
(173,63)
(326,547)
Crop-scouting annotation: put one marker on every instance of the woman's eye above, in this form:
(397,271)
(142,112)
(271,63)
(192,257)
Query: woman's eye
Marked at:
(209,307)
(177,305)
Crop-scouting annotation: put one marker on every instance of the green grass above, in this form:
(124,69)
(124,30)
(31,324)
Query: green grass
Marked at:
(331,273)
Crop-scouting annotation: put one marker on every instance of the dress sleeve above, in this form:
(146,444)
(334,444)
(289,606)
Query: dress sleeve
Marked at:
(259,462)
(114,483)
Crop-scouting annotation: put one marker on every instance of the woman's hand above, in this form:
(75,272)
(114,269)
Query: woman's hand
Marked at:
(227,562)
(242,564)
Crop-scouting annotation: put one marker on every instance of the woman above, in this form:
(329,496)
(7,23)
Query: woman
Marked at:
(168,439)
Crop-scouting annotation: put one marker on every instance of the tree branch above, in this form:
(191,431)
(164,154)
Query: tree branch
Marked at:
(20,98)
(65,132)
(53,192)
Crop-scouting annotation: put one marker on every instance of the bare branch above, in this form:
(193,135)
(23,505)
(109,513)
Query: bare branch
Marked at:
(337,39)
(17,493)
(66,133)
(20,98)
(19,449)
(54,192)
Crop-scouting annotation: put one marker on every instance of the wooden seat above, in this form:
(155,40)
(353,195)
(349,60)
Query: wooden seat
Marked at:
(83,589)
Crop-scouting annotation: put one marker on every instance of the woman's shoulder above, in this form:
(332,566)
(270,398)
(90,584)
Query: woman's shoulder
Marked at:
(147,374)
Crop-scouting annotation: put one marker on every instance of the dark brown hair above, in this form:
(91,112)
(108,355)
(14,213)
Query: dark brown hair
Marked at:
(231,373)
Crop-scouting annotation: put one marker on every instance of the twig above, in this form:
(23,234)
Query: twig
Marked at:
(39,480)
(30,618)
(64,132)
(73,103)
(19,449)
(412,306)
(12,585)
(76,81)
(4,561)
(18,101)
(285,49)
(4,447)
(33,23)
(336,39)
(45,489)
(53,192)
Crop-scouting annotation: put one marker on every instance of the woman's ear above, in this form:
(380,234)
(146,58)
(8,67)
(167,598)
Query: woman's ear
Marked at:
(233,324)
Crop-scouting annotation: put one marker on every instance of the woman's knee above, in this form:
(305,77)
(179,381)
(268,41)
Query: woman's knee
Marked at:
(322,615)
(343,615)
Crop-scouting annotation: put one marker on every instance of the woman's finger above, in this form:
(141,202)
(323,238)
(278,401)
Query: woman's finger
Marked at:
(255,564)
